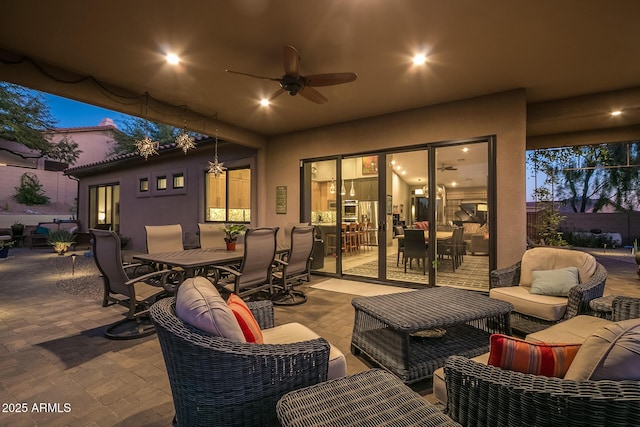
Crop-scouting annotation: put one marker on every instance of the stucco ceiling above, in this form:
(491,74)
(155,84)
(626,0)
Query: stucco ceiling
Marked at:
(553,49)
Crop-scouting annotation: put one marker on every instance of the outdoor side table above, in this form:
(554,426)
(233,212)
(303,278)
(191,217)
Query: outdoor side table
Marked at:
(403,332)
(372,398)
(603,306)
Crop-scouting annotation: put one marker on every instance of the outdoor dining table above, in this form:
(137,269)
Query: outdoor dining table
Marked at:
(192,259)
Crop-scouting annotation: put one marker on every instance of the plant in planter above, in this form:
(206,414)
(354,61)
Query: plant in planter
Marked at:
(60,240)
(17,229)
(231,233)
(4,247)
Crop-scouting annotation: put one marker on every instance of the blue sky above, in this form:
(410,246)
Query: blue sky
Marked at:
(71,114)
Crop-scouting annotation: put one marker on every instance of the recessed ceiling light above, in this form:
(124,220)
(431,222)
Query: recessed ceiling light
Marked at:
(264,102)
(419,59)
(453,184)
(172,59)
(616,113)
(465,149)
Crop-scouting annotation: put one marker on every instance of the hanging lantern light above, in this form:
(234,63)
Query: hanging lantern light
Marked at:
(184,140)
(146,146)
(332,188)
(216,167)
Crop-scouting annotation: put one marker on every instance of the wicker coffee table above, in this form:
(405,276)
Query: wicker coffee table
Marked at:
(411,334)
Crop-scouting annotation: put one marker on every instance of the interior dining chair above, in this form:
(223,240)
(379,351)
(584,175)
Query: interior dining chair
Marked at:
(294,267)
(415,247)
(125,285)
(255,272)
(211,236)
(400,232)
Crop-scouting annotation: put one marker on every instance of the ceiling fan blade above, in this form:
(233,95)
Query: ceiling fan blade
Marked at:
(313,95)
(276,94)
(291,61)
(253,75)
(329,79)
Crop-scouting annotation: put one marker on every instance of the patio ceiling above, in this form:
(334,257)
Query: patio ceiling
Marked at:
(552,49)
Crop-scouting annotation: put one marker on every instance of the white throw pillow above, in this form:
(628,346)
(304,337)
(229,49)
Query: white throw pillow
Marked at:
(199,304)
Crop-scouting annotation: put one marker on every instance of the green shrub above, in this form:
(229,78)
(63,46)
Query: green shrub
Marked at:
(30,191)
(588,240)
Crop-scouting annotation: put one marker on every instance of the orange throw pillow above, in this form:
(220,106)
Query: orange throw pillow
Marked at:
(247,322)
(550,360)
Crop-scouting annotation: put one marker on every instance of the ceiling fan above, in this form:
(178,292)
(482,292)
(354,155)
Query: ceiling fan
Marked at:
(294,83)
(447,168)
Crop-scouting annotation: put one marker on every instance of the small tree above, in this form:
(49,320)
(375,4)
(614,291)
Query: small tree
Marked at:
(30,191)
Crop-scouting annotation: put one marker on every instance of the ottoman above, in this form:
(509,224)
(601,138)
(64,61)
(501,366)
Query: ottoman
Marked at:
(371,398)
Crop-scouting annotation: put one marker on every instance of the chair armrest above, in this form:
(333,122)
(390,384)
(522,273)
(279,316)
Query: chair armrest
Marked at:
(478,394)
(624,308)
(161,279)
(263,312)
(580,295)
(504,277)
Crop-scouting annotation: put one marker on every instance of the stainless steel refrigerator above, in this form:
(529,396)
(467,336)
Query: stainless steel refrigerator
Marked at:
(368,212)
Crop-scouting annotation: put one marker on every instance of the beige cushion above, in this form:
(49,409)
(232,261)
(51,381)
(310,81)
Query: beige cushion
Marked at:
(199,304)
(541,306)
(545,258)
(295,332)
(572,331)
(610,353)
(440,387)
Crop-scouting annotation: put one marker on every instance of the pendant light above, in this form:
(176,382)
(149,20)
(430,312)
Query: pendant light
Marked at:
(343,190)
(332,189)
(352,192)
(216,168)
(146,146)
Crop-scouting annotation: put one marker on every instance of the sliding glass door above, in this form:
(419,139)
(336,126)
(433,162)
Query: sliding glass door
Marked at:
(364,205)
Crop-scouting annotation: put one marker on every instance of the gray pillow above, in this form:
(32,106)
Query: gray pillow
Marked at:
(610,353)
(199,304)
(555,282)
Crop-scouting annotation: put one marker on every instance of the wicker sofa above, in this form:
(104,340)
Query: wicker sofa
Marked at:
(217,381)
(481,395)
(536,312)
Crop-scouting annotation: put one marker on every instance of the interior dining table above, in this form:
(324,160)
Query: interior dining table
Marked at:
(440,235)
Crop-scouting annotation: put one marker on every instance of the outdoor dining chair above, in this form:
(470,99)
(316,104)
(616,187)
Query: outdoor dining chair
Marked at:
(125,285)
(255,272)
(294,267)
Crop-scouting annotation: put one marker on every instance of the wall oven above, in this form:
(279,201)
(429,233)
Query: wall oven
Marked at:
(349,210)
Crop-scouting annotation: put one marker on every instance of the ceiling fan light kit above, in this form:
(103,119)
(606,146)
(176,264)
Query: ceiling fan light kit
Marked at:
(294,83)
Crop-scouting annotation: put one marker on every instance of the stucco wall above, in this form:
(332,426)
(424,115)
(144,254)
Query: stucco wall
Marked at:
(503,115)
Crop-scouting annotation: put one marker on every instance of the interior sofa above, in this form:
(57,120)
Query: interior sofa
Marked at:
(548,285)
(601,386)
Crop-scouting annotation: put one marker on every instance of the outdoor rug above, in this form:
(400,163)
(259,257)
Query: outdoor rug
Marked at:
(358,288)
(473,274)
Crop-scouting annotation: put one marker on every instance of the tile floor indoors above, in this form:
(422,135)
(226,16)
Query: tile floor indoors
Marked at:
(52,350)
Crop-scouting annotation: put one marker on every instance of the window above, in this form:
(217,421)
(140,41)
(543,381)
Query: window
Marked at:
(144,184)
(161,183)
(228,196)
(104,206)
(178,180)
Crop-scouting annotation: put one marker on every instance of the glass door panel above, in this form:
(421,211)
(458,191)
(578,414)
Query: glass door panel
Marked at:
(360,214)
(461,214)
(407,174)
(324,215)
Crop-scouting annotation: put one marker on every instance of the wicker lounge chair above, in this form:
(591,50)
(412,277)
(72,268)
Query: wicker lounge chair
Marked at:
(219,382)
(576,303)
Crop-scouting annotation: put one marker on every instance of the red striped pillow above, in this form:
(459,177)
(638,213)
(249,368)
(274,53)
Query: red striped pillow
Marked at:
(247,322)
(550,360)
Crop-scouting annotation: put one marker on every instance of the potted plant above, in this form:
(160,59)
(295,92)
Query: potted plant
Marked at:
(4,247)
(17,229)
(60,240)
(231,233)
